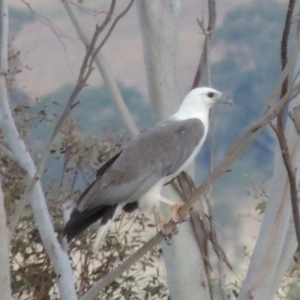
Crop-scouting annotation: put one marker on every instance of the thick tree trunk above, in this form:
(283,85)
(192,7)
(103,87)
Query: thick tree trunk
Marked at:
(159,26)
(276,242)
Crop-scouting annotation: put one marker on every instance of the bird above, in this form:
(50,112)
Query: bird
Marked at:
(135,176)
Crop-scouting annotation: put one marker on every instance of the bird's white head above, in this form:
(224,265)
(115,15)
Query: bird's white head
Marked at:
(198,102)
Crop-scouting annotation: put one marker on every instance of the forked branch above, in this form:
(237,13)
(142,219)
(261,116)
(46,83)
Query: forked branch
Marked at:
(85,71)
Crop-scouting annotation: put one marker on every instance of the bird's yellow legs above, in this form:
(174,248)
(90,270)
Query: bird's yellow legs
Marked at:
(174,206)
(161,220)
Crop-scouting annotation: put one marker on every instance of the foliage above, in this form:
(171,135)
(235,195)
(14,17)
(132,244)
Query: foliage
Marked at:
(78,158)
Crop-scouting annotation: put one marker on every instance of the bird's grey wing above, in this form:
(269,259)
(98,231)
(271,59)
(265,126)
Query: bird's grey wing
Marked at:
(99,174)
(156,153)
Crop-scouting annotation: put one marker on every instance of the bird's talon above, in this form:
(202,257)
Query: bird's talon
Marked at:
(168,237)
(175,215)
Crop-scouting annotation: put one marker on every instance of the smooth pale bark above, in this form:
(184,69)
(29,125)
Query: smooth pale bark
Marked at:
(5,280)
(159,27)
(58,257)
(286,259)
(276,244)
(159,24)
(290,242)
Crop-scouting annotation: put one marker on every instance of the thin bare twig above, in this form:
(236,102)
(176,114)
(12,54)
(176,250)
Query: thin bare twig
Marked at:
(105,71)
(204,58)
(85,71)
(117,19)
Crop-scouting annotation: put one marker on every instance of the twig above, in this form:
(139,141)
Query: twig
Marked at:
(105,71)
(284,45)
(117,19)
(45,21)
(85,71)
(204,58)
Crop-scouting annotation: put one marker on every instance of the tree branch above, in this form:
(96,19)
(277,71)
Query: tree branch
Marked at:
(280,128)
(8,153)
(204,58)
(105,71)
(85,71)
(117,19)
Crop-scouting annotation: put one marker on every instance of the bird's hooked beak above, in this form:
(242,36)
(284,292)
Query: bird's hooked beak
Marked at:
(225,99)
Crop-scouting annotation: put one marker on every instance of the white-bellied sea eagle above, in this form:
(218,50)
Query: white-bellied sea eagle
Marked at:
(135,177)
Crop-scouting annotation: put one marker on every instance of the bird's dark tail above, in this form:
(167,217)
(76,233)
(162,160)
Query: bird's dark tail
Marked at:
(81,220)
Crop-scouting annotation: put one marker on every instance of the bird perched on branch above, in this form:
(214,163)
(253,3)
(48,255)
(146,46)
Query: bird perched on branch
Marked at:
(135,177)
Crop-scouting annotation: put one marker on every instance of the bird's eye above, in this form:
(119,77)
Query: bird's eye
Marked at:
(210,94)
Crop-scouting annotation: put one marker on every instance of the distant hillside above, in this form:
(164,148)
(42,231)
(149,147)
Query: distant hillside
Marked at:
(95,110)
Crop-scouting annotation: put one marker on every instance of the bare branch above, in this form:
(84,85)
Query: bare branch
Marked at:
(105,71)
(201,66)
(117,19)
(212,15)
(284,43)
(85,71)
(204,58)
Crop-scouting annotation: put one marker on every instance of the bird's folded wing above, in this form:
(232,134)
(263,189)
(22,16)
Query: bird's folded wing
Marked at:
(156,153)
